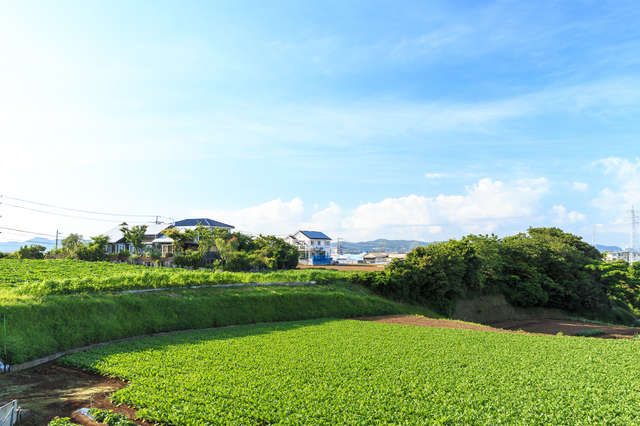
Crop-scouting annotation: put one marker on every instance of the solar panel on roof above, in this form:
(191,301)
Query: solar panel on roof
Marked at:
(204,222)
(315,235)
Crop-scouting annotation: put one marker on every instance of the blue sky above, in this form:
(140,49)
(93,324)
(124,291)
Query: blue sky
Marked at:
(417,120)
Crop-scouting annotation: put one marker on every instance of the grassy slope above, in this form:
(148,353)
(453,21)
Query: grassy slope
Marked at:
(39,326)
(48,277)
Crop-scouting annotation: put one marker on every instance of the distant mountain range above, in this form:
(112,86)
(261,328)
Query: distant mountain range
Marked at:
(11,246)
(381,245)
(405,246)
(602,248)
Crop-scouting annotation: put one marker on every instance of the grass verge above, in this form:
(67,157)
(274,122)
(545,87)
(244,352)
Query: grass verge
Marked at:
(40,326)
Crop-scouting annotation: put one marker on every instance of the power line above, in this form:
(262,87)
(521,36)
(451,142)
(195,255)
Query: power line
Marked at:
(81,211)
(41,243)
(27,232)
(60,236)
(65,215)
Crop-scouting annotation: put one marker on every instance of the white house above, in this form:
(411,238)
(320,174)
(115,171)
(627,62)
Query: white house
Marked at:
(166,244)
(618,255)
(118,243)
(154,236)
(314,246)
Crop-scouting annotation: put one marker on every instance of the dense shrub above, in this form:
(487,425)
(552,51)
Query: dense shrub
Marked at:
(31,252)
(589,333)
(190,258)
(545,267)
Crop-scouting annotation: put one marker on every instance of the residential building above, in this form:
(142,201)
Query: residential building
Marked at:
(154,236)
(612,256)
(314,247)
(166,244)
(118,243)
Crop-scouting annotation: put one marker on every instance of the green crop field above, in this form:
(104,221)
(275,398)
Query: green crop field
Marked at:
(342,372)
(45,277)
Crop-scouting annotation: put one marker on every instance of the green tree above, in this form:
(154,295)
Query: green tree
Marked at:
(31,252)
(71,242)
(95,250)
(135,235)
(227,248)
(571,240)
(180,238)
(279,253)
(618,280)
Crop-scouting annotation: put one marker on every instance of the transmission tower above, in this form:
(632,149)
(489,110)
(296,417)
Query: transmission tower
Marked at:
(634,255)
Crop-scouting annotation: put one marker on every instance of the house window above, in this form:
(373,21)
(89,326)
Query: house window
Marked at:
(326,243)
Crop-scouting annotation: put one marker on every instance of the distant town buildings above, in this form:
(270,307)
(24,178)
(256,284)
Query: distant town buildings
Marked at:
(612,256)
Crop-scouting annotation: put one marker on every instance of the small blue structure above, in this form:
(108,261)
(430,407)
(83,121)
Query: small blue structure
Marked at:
(321,259)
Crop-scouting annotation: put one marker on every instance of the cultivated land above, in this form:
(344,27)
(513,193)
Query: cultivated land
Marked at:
(54,305)
(51,390)
(48,277)
(355,372)
(341,372)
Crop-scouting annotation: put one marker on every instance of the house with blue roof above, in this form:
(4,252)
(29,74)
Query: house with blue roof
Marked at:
(155,238)
(314,247)
(166,244)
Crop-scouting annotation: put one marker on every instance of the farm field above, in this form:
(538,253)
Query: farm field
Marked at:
(354,372)
(55,305)
(47,277)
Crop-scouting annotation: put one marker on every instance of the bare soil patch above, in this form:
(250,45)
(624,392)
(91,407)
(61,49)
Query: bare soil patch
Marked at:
(431,322)
(533,326)
(359,267)
(567,327)
(51,390)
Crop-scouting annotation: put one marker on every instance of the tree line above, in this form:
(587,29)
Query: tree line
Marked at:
(234,251)
(543,267)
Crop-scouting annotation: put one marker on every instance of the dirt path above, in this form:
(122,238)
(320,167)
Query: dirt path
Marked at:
(51,390)
(430,322)
(535,326)
(567,327)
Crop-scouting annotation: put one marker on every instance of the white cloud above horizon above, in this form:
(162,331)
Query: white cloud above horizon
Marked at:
(485,207)
(616,202)
(561,216)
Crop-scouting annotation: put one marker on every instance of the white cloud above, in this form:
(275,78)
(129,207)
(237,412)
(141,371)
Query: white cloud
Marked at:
(438,175)
(627,172)
(485,207)
(580,186)
(626,193)
(561,216)
(274,217)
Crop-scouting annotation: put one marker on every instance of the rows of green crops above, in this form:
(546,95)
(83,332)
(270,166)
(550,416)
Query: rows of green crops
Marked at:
(44,277)
(339,372)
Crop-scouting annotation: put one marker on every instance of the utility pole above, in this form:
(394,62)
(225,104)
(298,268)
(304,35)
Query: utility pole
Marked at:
(593,235)
(338,248)
(633,247)
(56,239)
